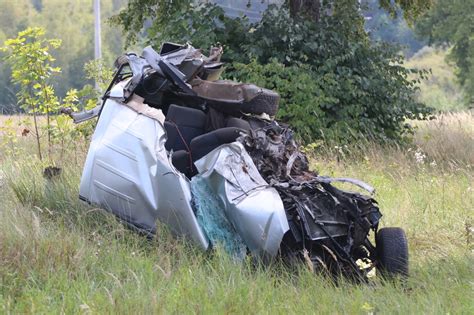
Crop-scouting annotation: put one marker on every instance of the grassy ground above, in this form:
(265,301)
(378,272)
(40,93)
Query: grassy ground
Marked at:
(440,90)
(58,255)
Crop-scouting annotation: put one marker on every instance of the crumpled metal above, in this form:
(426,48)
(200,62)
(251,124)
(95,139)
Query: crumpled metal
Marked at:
(324,211)
(128,172)
(251,205)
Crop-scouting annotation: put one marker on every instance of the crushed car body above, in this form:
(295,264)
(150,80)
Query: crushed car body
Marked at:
(205,157)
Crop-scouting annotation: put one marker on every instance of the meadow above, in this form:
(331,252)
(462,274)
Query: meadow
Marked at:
(440,89)
(58,255)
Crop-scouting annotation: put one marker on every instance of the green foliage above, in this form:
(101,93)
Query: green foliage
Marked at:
(30,58)
(382,26)
(411,9)
(441,89)
(357,88)
(181,20)
(451,23)
(70,21)
(100,72)
(14,17)
(335,84)
(303,100)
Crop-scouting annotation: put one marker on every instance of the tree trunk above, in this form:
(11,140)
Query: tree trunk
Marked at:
(309,9)
(38,143)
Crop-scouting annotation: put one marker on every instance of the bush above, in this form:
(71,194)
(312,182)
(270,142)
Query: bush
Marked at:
(335,84)
(301,99)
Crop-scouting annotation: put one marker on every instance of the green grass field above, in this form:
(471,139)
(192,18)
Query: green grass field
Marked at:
(440,90)
(58,255)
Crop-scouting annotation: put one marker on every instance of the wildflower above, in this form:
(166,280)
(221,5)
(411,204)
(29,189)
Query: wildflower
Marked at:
(419,156)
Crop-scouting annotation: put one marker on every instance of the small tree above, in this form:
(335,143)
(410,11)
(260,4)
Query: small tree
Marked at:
(31,63)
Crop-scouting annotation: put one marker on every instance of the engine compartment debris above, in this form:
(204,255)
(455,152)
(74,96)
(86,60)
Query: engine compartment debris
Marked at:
(326,223)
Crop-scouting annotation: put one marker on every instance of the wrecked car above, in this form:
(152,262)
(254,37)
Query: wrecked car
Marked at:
(206,157)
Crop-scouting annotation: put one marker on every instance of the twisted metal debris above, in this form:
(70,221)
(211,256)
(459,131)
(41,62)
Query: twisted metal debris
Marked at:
(317,211)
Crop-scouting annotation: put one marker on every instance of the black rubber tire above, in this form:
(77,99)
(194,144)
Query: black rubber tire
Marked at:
(266,102)
(121,60)
(392,251)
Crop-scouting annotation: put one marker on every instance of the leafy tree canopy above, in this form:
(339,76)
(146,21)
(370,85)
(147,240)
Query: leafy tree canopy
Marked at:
(383,26)
(412,9)
(451,23)
(334,82)
(70,21)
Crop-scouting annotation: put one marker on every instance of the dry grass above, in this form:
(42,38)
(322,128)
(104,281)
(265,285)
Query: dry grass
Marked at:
(58,255)
(449,137)
(440,90)
(20,122)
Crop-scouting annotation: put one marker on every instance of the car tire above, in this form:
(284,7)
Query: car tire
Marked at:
(121,60)
(265,102)
(392,251)
(235,98)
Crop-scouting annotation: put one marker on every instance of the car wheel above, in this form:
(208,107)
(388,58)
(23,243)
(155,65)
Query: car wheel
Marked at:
(121,60)
(265,102)
(392,252)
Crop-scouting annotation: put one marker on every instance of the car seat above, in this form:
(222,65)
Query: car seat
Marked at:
(185,128)
(235,98)
(202,145)
(238,123)
(182,124)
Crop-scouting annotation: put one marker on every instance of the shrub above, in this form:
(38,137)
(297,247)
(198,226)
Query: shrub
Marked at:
(335,84)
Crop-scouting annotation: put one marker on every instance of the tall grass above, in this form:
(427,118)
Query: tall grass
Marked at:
(58,255)
(448,138)
(441,89)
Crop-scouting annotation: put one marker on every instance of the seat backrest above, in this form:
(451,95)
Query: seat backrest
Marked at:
(238,123)
(202,145)
(182,124)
